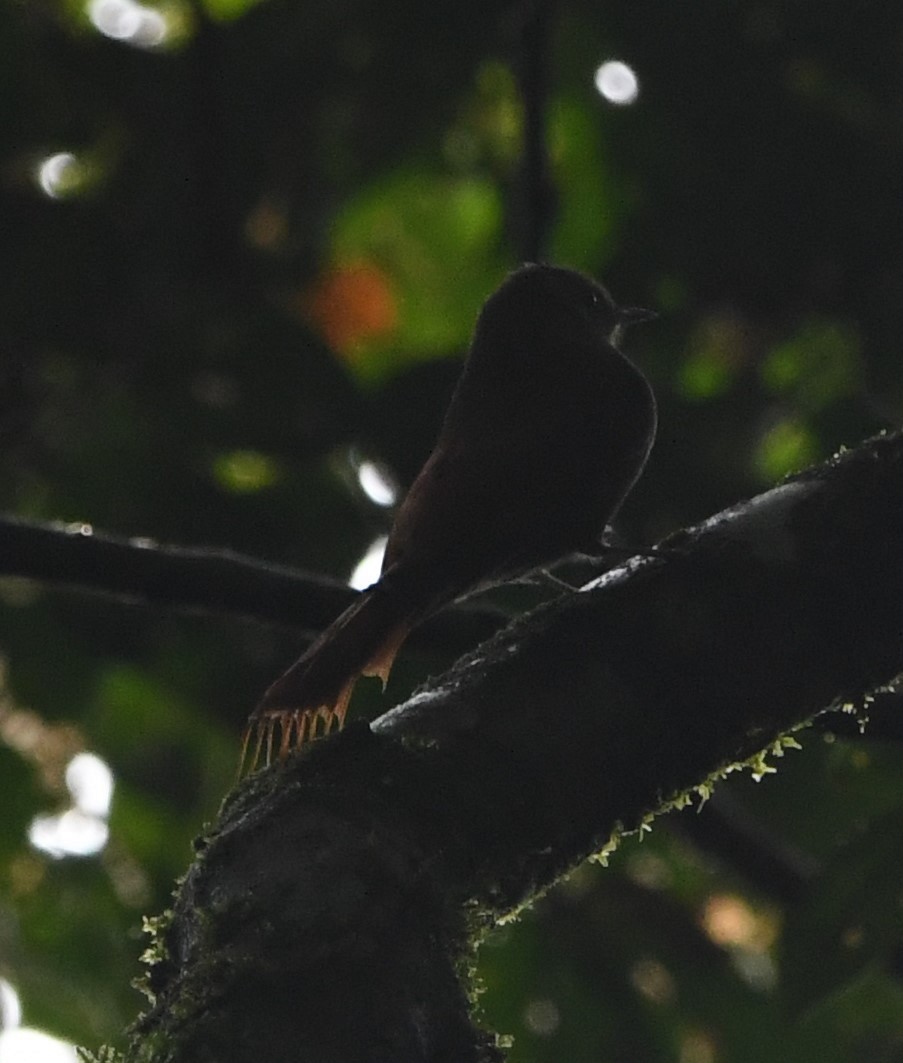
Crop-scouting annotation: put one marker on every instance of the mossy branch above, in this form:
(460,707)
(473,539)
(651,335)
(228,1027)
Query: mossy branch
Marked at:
(333,911)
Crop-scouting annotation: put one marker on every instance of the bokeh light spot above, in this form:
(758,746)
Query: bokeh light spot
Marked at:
(542,1017)
(367,570)
(10,1007)
(350,305)
(818,366)
(653,981)
(58,174)
(784,447)
(72,833)
(704,376)
(718,349)
(80,830)
(617,83)
(90,782)
(728,920)
(128,21)
(23,1045)
(245,471)
(697,1047)
(377,483)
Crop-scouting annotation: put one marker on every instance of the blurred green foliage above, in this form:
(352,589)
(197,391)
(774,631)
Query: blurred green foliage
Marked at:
(257,253)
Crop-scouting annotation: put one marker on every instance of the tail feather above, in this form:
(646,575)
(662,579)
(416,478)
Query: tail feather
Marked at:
(364,640)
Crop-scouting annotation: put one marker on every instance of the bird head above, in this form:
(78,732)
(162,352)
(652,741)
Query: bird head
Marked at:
(550,304)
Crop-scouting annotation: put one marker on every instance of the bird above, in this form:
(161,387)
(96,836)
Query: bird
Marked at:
(548,428)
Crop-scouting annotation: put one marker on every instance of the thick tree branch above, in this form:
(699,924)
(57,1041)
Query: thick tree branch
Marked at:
(332,912)
(194,579)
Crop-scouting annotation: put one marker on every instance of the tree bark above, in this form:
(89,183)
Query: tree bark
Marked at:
(332,913)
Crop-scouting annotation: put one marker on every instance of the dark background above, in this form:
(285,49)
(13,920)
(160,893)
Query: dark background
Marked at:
(261,268)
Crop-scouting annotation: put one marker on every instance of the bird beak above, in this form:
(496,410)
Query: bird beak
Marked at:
(633,315)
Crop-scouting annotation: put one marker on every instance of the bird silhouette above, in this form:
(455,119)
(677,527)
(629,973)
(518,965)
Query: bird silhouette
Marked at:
(548,429)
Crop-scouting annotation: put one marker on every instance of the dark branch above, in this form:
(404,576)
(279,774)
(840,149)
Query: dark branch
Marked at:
(214,581)
(360,873)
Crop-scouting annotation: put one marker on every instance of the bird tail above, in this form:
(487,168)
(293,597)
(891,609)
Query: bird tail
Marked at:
(315,691)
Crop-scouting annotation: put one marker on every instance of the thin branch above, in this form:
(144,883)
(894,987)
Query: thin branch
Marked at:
(194,579)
